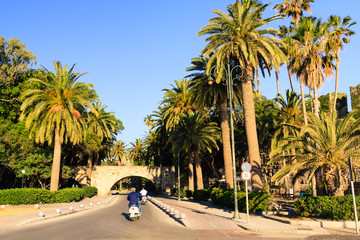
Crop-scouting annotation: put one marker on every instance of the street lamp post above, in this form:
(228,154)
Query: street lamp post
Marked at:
(230,91)
(22,181)
(179,193)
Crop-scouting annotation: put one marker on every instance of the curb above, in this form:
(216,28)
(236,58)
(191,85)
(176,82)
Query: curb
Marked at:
(176,215)
(39,218)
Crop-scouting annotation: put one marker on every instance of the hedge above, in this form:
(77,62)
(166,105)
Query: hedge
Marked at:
(19,196)
(325,207)
(258,201)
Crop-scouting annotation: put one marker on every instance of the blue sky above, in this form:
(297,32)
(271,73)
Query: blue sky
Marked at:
(134,49)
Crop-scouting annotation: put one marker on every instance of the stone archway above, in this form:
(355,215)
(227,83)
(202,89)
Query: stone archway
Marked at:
(104,177)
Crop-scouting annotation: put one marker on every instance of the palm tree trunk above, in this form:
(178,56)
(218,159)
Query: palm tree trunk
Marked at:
(191,175)
(199,175)
(291,83)
(316,102)
(336,81)
(277,86)
(258,82)
(303,102)
(55,169)
(89,169)
(251,133)
(225,135)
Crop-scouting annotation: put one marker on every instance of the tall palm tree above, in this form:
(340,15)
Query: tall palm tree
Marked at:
(294,8)
(325,143)
(338,35)
(240,36)
(52,110)
(193,135)
(309,55)
(204,97)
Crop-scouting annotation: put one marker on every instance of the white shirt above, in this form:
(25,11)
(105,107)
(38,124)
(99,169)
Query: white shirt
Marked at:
(143,192)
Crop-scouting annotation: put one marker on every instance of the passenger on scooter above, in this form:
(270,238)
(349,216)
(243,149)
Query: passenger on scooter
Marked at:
(134,198)
(143,192)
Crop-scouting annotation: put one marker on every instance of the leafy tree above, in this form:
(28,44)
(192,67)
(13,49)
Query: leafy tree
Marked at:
(52,110)
(240,36)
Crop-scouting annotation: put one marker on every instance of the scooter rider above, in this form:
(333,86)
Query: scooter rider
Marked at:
(134,198)
(143,192)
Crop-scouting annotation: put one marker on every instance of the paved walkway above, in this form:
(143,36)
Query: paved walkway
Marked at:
(205,216)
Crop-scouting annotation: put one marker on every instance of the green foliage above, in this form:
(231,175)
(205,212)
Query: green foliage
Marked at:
(69,194)
(325,207)
(25,196)
(202,194)
(258,201)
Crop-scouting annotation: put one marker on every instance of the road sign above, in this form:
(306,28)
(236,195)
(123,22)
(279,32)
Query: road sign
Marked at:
(246,167)
(246,175)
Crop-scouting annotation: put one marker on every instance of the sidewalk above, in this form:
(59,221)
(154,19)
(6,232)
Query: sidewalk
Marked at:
(205,216)
(49,211)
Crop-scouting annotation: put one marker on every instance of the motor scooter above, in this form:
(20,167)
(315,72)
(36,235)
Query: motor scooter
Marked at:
(143,200)
(134,212)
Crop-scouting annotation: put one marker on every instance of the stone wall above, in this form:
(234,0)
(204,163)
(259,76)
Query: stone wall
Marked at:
(104,177)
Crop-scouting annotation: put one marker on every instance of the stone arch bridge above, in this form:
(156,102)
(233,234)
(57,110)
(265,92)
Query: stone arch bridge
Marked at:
(104,177)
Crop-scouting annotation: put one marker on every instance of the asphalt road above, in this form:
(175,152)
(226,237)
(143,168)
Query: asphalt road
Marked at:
(106,223)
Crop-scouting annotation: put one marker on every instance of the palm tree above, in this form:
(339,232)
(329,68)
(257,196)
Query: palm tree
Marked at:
(290,115)
(194,135)
(204,97)
(294,8)
(309,55)
(176,102)
(240,36)
(325,143)
(100,125)
(52,109)
(136,151)
(339,33)
(119,151)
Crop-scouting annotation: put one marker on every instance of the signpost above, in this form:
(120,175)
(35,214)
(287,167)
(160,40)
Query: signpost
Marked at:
(246,175)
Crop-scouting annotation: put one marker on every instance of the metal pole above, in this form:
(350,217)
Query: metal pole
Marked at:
(179,194)
(22,181)
(230,96)
(355,209)
(247,201)
(353,196)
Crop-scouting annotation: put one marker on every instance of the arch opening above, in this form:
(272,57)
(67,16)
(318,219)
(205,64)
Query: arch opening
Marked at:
(124,184)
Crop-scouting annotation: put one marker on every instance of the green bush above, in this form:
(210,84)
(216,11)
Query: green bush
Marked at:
(89,191)
(69,195)
(202,194)
(333,208)
(19,196)
(258,201)
(189,193)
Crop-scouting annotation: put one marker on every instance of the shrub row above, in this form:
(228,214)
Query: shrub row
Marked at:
(19,196)
(258,201)
(333,208)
